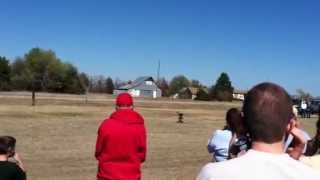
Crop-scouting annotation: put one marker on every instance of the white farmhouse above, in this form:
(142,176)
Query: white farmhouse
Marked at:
(142,87)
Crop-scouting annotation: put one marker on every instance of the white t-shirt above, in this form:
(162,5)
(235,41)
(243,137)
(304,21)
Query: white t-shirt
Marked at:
(304,106)
(258,165)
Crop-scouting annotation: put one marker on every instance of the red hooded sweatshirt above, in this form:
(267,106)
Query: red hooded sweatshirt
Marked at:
(121,146)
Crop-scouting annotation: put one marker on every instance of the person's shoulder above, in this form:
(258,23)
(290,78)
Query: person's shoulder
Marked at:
(220,170)
(107,123)
(18,169)
(13,169)
(137,114)
(10,165)
(220,132)
(207,171)
(225,165)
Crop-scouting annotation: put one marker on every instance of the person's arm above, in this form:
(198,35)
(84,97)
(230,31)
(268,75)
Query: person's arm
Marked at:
(19,162)
(20,174)
(99,144)
(232,150)
(313,145)
(298,143)
(142,146)
(211,146)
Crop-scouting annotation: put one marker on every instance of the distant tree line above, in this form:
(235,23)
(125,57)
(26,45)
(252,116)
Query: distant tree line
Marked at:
(39,70)
(42,70)
(221,90)
(101,84)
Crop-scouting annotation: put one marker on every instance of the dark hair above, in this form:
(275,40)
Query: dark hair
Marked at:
(4,147)
(235,121)
(267,111)
(11,141)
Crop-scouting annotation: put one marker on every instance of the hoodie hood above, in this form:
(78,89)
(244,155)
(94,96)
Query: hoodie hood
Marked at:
(127,116)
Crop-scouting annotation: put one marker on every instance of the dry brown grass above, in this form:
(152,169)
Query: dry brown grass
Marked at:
(56,138)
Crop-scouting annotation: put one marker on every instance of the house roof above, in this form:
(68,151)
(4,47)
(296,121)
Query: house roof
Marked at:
(185,89)
(193,90)
(139,82)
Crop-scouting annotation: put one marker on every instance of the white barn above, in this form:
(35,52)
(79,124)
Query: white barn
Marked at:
(142,87)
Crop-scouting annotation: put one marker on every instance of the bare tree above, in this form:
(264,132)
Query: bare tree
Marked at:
(85,83)
(304,95)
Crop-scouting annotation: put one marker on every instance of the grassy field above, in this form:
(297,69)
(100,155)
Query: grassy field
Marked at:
(56,138)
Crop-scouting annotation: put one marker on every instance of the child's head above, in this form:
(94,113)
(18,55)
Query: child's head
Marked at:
(4,147)
(235,121)
(11,143)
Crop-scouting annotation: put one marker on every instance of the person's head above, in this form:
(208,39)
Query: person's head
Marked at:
(235,121)
(267,113)
(124,101)
(4,147)
(11,142)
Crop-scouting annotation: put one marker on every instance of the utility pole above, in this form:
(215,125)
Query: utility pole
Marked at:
(158,71)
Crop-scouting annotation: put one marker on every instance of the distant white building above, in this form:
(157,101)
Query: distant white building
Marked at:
(239,95)
(141,87)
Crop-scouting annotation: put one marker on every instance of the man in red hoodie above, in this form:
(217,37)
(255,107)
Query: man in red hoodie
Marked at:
(121,143)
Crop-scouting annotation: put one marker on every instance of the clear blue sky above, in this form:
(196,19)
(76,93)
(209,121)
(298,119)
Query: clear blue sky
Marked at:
(253,41)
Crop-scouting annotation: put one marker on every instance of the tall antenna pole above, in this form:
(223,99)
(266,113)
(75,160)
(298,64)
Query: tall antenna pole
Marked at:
(158,72)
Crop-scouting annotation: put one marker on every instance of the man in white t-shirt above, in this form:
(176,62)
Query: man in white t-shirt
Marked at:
(304,107)
(267,113)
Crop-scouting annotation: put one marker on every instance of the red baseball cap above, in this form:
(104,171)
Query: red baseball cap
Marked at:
(124,99)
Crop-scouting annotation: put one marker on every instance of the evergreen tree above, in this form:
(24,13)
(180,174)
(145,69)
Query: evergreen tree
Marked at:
(5,71)
(222,90)
(109,86)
